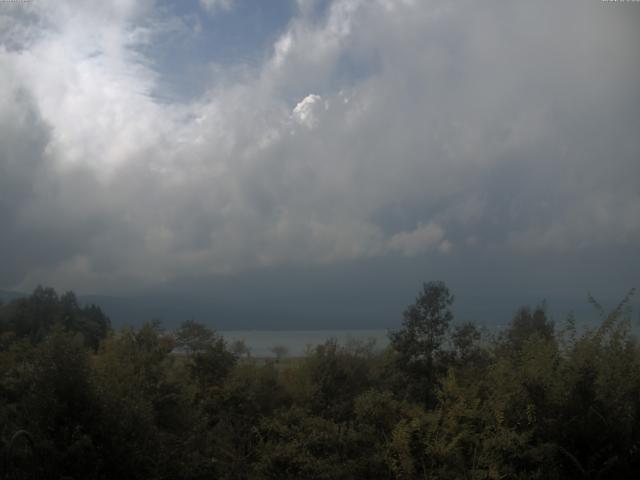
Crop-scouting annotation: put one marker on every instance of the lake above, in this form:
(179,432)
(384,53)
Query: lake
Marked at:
(260,342)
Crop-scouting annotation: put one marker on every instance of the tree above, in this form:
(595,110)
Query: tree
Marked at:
(213,364)
(240,349)
(209,359)
(234,412)
(418,344)
(60,404)
(336,376)
(35,316)
(194,337)
(525,324)
(469,357)
(280,351)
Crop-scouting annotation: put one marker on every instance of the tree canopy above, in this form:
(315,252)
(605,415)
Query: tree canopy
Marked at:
(444,400)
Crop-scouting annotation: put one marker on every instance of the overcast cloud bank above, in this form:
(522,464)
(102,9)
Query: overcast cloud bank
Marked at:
(371,128)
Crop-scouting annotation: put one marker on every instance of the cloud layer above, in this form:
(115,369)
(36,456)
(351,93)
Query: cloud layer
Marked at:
(371,128)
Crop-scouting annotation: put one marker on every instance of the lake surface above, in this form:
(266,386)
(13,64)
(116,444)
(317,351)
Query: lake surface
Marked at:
(260,342)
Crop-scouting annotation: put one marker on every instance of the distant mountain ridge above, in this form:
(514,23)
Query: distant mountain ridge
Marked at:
(223,308)
(8,295)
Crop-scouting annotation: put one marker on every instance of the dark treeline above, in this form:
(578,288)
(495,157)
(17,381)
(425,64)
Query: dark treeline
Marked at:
(443,401)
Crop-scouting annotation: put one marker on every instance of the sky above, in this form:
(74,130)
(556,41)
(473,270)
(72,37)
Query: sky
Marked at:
(309,163)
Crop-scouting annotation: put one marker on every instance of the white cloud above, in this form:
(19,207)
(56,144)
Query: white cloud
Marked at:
(305,112)
(423,239)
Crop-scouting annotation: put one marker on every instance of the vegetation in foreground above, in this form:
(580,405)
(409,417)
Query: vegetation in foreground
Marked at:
(441,402)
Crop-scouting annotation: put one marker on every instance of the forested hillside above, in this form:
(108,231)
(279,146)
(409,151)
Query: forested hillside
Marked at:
(443,401)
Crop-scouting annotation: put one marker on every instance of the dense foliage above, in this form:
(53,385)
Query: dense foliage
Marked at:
(443,401)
